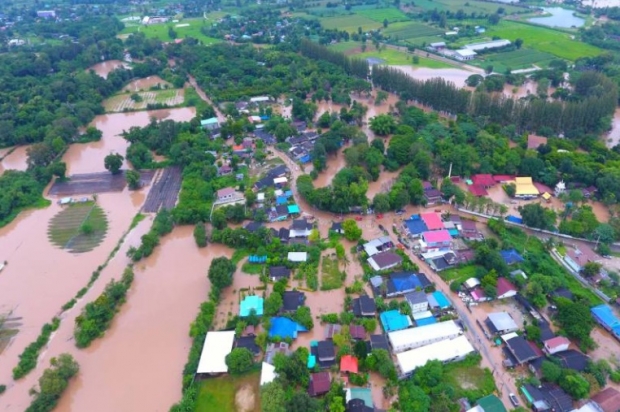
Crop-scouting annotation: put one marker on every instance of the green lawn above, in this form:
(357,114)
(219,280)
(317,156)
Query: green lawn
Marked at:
(331,275)
(543,39)
(460,273)
(349,23)
(218,394)
(345,46)
(160,31)
(412,30)
(380,14)
(514,60)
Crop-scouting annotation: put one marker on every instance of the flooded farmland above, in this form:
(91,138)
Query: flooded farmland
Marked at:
(88,157)
(106,67)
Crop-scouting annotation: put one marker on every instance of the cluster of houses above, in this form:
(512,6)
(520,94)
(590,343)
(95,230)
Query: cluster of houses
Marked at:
(525,187)
(302,146)
(438,241)
(467,52)
(297,233)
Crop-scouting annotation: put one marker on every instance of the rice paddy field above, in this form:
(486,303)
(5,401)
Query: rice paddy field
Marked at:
(414,33)
(122,102)
(381,14)
(518,59)
(350,23)
(468,7)
(183,28)
(542,39)
(79,227)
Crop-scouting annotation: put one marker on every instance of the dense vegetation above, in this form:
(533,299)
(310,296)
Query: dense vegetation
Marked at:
(97,316)
(28,358)
(53,383)
(18,190)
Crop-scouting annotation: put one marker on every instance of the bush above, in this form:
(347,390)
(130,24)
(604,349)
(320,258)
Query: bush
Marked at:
(239,360)
(97,316)
(200,235)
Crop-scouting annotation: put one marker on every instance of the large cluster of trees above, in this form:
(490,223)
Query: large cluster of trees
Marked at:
(18,190)
(97,315)
(53,383)
(348,189)
(28,358)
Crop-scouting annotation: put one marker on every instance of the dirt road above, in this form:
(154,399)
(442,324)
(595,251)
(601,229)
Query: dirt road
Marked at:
(204,97)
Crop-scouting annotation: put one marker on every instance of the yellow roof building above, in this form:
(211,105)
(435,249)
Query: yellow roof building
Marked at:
(525,187)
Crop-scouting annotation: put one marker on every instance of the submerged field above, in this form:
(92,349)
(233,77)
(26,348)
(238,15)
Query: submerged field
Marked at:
(79,227)
(122,102)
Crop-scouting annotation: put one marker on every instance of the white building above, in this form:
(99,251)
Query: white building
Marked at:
(560,188)
(417,301)
(495,44)
(297,256)
(412,338)
(445,351)
(267,374)
(464,54)
(217,345)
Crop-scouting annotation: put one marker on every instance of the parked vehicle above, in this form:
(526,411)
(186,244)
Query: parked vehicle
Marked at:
(513,399)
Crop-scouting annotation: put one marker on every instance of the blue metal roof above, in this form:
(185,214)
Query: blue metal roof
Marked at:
(605,316)
(514,219)
(511,256)
(394,320)
(441,299)
(415,226)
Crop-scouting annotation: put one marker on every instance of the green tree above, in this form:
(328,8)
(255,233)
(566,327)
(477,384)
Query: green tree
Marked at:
(303,316)
(351,230)
(302,402)
(412,398)
(575,319)
(221,272)
(113,163)
(510,189)
(591,269)
(239,360)
(133,179)
(272,304)
(575,385)
(273,397)
(337,404)
(534,215)
(381,202)
(218,219)
(385,23)
(200,234)
(605,233)
(383,125)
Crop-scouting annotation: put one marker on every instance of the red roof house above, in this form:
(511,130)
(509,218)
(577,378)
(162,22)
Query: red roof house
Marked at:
(432,221)
(348,364)
(503,178)
(555,345)
(437,236)
(319,383)
(505,289)
(477,190)
(485,181)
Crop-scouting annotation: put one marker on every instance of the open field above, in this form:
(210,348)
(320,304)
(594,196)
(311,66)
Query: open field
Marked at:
(390,56)
(160,31)
(470,378)
(467,6)
(411,31)
(380,15)
(79,227)
(349,23)
(121,102)
(542,39)
(518,59)
(218,394)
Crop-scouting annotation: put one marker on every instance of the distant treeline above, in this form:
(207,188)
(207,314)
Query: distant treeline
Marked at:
(589,109)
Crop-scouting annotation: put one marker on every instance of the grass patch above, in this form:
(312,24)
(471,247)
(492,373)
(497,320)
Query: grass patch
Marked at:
(459,273)
(253,268)
(474,381)
(349,23)
(381,14)
(389,56)
(136,219)
(80,227)
(238,255)
(218,394)
(543,39)
(411,31)
(161,31)
(331,275)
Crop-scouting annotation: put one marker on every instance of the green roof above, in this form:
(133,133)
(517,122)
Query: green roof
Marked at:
(491,403)
(212,120)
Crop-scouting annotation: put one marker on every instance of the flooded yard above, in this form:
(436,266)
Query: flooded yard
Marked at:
(17,159)
(104,68)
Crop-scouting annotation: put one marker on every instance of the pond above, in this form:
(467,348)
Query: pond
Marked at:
(559,18)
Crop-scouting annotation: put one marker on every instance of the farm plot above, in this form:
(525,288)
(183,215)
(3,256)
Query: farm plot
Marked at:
(78,228)
(468,7)
(520,59)
(184,28)
(349,23)
(543,39)
(165,191)
(123,102)
(413,32)
(379,15)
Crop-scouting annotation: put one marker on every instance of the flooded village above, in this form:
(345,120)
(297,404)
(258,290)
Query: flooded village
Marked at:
(415,267)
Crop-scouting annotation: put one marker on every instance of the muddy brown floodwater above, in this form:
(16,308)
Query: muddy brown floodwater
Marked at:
(146,84)
(16,160)
(146,348)
(104,68)
(39,278)
(88,157)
